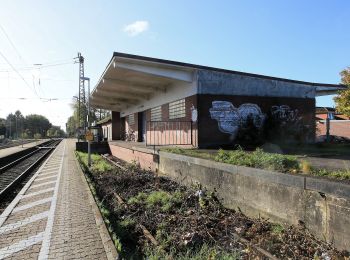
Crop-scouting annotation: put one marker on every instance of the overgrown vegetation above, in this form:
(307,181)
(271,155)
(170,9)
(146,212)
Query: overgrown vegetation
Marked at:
(260,159)
(162,199)
(263,160)
(185,223)
(98,164)
(336,174)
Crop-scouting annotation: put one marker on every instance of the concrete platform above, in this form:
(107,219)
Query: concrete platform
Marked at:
(55,216)
(15,149)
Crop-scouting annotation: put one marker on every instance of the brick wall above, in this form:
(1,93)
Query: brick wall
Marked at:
(210,135)
(337,127)
(174,131)
(143,159)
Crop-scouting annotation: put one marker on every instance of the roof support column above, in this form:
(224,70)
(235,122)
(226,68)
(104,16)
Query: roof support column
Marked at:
(116,125)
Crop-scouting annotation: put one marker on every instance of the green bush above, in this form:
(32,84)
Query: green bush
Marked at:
(337,174)
(260,159)
(165,200)
(98,164)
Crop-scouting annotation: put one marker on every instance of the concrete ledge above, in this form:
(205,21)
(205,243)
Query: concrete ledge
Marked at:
(328,187)
(293,180)
(324,206)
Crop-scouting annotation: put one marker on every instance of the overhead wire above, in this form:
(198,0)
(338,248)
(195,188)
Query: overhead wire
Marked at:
(19,74)
(35,66)
(12,44)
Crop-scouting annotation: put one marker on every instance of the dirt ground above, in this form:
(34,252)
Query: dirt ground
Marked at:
(182,221)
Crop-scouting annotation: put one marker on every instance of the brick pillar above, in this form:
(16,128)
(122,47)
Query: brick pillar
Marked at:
(116,125)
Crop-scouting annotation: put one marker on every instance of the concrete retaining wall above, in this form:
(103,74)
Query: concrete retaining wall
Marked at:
(324,206)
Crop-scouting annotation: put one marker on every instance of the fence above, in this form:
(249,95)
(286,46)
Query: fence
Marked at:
(169,133)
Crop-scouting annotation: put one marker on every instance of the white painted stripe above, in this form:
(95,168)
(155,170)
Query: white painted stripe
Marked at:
(15,201)
(45,178)
(50,167)
(23,244)
(44,251)
(37,193)
(23,222)
(42,184)
(54,162)
(33,204)
(47,173)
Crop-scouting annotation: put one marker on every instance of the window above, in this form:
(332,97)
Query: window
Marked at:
(177,109)
(156,114)
(131,119)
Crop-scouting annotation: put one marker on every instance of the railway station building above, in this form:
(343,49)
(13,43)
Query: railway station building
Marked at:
(162,102)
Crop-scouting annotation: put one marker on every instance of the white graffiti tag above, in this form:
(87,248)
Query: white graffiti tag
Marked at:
(230,118)
(227,116)
(284,113)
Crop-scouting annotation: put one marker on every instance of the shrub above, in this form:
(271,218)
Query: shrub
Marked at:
(98,164)
(259,159)
(166,201)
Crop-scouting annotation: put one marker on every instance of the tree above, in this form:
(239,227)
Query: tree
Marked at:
(71,126)
(74,122)
(55,131)
(2,126)
(37,124)
(342,101)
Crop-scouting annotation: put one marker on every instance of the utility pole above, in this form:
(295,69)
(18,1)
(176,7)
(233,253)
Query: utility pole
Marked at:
(81,98)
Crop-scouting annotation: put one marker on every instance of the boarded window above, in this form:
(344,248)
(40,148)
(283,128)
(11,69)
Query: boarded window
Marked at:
(156,114)
(131,119)
(177,109)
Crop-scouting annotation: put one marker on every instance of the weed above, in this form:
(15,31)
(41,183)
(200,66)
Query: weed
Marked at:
(259,159)
(127,223)
(277,228)
(337,174)
(166,201)
(138,199)
(204,252)
(98,164)
(189,152)
(305,167)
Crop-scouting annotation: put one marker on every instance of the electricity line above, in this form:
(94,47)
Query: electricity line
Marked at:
(19,55)
(41,66)
(12,44)
(19,74)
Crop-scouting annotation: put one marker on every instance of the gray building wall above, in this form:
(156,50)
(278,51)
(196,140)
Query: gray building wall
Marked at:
(219,83)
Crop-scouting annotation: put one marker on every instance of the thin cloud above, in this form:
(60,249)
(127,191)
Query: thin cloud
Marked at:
(136,28)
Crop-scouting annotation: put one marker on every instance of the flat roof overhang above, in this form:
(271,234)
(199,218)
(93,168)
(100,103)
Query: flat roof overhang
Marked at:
(129,82)
(330,90)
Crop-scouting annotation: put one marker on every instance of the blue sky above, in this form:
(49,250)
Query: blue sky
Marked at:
(303,40)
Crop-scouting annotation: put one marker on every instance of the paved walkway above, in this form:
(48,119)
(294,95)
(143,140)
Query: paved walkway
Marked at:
(11,150)
(54,216)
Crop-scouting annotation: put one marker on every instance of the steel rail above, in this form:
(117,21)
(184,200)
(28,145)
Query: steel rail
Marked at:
(26,155)
(32,166)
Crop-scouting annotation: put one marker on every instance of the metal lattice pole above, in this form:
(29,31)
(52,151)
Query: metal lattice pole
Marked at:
(82,95)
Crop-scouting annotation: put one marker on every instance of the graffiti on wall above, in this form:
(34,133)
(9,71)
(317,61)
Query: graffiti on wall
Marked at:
(194,114)
(286,123)
(284,113)
(249,123)
(230,119)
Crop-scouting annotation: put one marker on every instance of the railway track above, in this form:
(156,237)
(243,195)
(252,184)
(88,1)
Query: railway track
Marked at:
(15,143)
(13,172)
